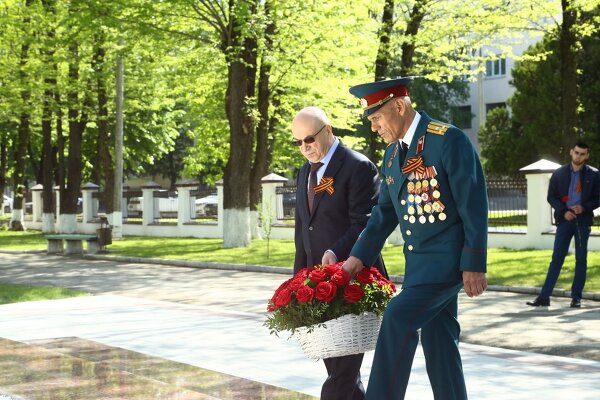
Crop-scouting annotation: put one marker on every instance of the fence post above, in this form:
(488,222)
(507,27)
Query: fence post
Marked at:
(272,202)
(89,204)
(36,203)
(150,210)
(57,207)
(219,185)
(539,212)
(184,207)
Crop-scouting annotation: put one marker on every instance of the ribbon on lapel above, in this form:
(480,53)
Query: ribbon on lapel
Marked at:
(326,184)
(414,163)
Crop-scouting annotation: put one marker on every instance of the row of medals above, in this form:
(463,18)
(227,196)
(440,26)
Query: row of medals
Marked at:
(423,200)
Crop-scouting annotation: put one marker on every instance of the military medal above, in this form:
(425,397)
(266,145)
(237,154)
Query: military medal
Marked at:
(442,216)
(422,219)
(436,194)
(412,219)
(431,219)
(411,210)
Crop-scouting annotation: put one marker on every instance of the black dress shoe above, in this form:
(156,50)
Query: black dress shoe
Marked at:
(539,302)
(576,303)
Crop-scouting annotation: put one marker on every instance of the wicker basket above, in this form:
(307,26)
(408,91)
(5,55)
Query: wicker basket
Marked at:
(349,334)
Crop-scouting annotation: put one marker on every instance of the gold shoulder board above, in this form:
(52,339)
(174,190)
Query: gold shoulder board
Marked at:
(437,128)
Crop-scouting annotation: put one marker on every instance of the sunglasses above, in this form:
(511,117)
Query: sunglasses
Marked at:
(309,139)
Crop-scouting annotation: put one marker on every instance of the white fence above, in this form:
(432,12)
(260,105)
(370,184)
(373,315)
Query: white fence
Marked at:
(539,233)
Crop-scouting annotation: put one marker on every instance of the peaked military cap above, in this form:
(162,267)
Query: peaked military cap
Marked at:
(373,95)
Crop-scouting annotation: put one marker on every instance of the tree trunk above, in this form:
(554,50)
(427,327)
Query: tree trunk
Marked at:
(47,148)
(412,28)
(77,122)
(236,179)
(262,161)
(568,77)
(16,222)
(106,170)
(3,165)
(374,144)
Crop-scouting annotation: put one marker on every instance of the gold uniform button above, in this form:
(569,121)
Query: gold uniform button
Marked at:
(410,247)
(408,232)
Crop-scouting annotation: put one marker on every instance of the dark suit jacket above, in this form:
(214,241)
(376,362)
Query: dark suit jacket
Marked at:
(337,218)
(558,189)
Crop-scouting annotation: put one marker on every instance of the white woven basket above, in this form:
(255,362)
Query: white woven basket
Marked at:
(349,334)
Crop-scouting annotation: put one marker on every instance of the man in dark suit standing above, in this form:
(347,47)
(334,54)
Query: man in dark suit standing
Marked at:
(573,192)
(433,187)
(336,190)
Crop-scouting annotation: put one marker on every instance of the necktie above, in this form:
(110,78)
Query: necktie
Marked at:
(404,153)
(312,183)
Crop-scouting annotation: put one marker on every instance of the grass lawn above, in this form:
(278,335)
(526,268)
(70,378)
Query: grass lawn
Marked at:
(505,266)
(16,293)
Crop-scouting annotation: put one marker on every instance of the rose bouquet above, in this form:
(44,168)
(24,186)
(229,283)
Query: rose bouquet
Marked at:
(322,293)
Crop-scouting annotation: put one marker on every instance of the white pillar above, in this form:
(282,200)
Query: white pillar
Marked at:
(88,200)
(150,210)
(37,203)
(272,203)
(184,204)
(539,212)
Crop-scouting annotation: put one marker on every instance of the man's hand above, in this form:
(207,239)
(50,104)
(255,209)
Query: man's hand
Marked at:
(475,283)
(570,215)
(352,265)
(328,258)
(577,209)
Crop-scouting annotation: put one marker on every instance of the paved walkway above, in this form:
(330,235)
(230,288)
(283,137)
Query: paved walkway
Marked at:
(213,319)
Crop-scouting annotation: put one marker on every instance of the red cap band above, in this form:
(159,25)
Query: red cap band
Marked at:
(396,91)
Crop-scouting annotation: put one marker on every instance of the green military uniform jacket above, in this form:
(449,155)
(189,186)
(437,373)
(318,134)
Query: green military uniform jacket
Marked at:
(438,197)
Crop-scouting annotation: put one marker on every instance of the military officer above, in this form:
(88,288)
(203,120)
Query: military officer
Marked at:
(433,187)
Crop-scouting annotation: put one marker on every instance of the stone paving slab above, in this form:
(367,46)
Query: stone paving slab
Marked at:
(495,319)
(236,343)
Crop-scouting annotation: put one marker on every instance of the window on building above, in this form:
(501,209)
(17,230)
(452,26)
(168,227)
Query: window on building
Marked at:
(490,106)
(495,67)
(461,117)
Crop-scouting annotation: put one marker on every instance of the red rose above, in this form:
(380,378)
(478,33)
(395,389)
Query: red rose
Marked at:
(331,269)
(318,275)
(304,272)
(565,199)
(341,278)
(283,298)
(375,273)
(325,291)
(365,276)
(353,293)
(281,287)
(296,283)
(305,294)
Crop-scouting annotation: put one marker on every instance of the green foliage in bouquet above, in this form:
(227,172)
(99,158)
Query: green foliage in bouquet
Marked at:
(325,292)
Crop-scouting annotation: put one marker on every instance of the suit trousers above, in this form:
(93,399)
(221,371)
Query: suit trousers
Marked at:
(564,233)
(343,380)
(433,309)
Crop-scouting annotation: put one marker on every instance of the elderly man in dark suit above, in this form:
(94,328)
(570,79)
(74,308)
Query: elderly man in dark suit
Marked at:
(336,190)
(433,187)
(573,193)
